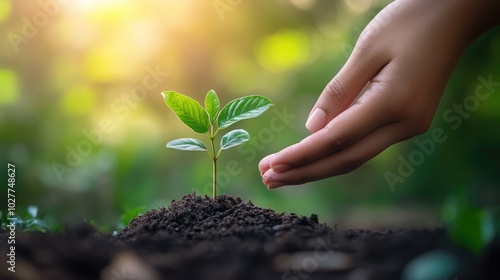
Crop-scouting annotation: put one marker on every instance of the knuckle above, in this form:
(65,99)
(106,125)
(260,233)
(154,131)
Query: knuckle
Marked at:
(376,29)
(367,39)
(336,143)
(336,92)
(372,35)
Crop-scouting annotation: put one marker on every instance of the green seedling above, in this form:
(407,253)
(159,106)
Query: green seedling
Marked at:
(467,225)
(26,220)
(129,215)
(210,120)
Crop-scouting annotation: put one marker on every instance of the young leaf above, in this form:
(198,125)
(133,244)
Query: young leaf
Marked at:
(33,211)
(187,144)
(243,108)
(212,105)
(188,110)
(467,225)
(234,138)
(130,214)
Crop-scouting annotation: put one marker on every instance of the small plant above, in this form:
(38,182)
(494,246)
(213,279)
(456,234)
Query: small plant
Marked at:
(26,220)
(468,225)
(210,120)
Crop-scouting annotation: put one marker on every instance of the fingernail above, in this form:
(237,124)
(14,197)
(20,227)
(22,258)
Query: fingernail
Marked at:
(264,164)
(267,179)
(316,121)
(274,185)
(280,168)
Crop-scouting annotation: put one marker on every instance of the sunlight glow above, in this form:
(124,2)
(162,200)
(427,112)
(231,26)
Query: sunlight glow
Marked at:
(303,4)
(8,86)
(95,4)
(5,9)
(283,51)
(358,6)
(79,101)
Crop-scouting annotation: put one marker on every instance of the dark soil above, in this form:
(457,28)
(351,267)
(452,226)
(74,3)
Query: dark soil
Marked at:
(197,238)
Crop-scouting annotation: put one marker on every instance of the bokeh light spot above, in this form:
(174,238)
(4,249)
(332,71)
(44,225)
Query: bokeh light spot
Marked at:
(8,86)
(358,6)
(5,9)
(79,101)
(108,63)
(303,4)
(283,51)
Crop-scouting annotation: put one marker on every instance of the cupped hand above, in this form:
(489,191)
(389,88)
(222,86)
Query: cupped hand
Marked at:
(387,91)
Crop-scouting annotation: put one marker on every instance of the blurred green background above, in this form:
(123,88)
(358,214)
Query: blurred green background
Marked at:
(82,118)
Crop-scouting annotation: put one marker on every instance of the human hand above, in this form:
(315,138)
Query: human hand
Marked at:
(401,64)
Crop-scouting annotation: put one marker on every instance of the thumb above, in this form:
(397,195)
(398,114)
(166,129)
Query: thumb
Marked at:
(343,89)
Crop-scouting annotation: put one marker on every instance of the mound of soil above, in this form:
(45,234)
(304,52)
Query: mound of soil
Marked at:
(199,238)
(195,218)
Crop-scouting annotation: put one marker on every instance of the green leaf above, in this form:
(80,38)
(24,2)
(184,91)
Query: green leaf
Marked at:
(188,110)
(468,225)
(234,138)
(33,211)
(212,105)
(129,215)
(187,144)
(243,108)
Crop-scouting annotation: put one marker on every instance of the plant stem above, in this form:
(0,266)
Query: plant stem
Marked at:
(214,188)
(214,161)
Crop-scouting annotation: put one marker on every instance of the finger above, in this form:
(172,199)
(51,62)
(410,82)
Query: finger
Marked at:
(341,162)
(363,117)
(264,164)
(342,90)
